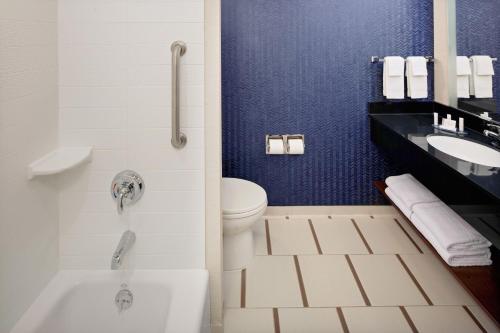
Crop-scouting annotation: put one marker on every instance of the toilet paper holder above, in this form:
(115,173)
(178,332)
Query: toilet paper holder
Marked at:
(285,138)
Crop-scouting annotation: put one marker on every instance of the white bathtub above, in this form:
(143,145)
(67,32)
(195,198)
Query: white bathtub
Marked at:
(173,301)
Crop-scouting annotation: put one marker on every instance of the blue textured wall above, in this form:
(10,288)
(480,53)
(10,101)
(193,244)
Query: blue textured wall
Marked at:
(292,66)
(478,32)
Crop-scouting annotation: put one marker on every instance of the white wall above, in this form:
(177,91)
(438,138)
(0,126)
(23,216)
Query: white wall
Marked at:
(114,94)
(28,130)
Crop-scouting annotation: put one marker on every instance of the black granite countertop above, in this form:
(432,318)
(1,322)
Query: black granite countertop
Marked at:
(416,127)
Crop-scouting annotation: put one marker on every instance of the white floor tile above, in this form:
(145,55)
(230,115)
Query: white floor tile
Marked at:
(259,234)
(337,235)
(385,281)
(484,319)
(309,320)
(232,289)
(292,236)
(248,321)
(375,319)
(437,282)
(413,233)
(385,236)
(329,282)
(442,319)
(272,282)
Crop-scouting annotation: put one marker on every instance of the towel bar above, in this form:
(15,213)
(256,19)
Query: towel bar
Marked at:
(492,59)
(375,59)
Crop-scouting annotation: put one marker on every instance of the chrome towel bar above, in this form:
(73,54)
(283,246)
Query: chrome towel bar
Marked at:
(179,140)
(375,59)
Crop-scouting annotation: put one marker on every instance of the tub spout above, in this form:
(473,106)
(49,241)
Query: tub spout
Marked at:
(125,244)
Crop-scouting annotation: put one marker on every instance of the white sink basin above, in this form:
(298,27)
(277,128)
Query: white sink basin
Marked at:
(465,150)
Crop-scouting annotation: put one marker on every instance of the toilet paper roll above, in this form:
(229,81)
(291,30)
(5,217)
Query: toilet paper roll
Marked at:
(296,146)
(276,147)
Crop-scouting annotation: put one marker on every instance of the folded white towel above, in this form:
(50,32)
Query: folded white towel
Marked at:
(465,258)
(410,191)
(481,82)
(398,202)
(393,78)
(484,65)
(463,76)
(452,232)
(416,77)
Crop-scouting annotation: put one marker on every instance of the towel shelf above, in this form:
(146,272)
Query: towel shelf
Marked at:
(480,281)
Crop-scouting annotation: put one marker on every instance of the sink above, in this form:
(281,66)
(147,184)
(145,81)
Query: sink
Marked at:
(466,150)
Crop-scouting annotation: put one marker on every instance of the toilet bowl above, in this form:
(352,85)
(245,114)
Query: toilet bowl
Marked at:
(243,203)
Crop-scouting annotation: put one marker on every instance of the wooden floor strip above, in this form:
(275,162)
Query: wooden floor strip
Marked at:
(243,295)
(408,319)
(368,248)
(358,281)
(276,319)
(268,239)
(409,237)
(414,279)
(476,321)
(318,247)
(303,294)
(343,322)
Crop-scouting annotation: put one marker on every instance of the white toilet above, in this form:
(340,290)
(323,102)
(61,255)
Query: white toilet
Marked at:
(243,203)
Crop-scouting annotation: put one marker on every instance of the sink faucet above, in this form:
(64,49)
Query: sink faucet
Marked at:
(125,244)
(494,134)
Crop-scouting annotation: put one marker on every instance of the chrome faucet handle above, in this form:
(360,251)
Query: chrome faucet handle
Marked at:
(493,126)
(126,189)
(122,194)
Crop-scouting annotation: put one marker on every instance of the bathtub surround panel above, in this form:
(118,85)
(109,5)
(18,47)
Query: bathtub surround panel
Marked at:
(28,130)
(304,67)
(115,94)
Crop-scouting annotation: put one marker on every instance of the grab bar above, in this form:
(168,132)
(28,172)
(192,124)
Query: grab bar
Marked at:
(179,140)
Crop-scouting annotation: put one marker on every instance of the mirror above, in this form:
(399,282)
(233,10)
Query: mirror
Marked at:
(478,33)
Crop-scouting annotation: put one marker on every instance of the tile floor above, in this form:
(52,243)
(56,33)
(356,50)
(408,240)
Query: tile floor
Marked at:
(345,269)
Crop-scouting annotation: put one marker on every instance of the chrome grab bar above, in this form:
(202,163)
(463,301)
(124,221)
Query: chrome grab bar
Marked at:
(179,140)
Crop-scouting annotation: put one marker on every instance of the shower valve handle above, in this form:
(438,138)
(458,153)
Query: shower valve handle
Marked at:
(126,189)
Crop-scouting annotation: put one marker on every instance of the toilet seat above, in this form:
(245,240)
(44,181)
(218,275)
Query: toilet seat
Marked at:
(241,198)
(245,214)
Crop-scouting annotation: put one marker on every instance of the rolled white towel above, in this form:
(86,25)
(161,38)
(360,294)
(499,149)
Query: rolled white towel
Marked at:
(452,232)
(398,202)
(410,190)
(465,258)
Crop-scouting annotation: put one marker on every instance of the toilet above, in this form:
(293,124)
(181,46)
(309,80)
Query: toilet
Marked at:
(243,203)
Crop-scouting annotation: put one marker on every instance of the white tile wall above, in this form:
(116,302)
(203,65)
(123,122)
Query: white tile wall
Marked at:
(28,130)
(114,94)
